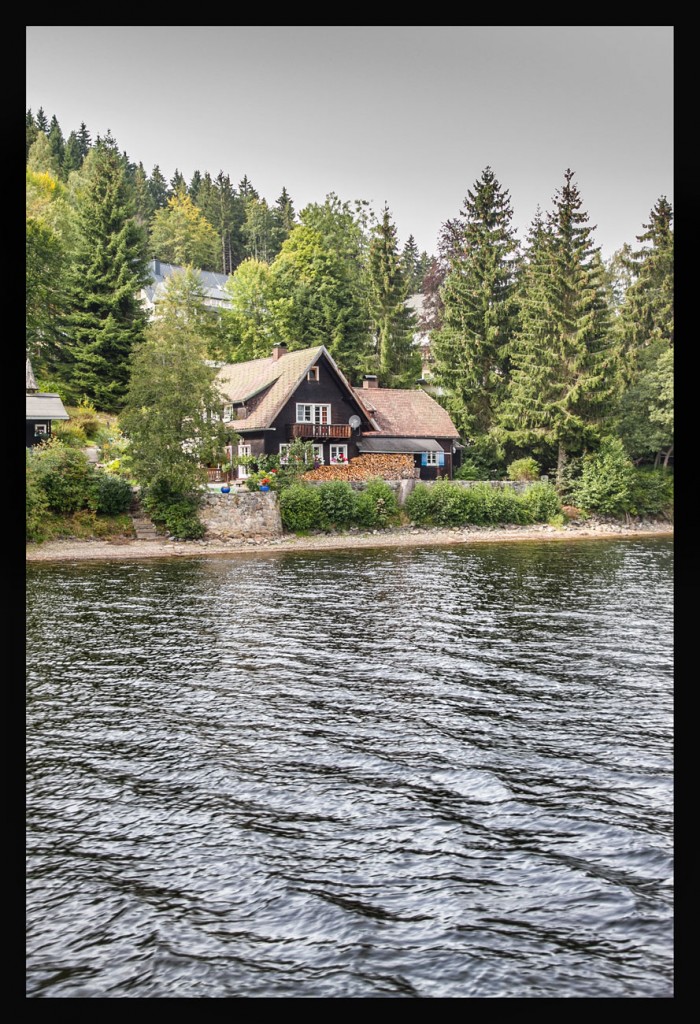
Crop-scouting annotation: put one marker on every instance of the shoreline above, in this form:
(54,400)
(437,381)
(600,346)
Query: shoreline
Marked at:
(72,550)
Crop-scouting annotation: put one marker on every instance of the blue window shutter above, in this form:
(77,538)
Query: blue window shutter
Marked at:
(424,459)
(441,458)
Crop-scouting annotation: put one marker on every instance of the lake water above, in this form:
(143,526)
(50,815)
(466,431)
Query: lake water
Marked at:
(436,772)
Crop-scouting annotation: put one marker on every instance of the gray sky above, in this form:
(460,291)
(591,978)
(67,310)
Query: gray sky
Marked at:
(407,115)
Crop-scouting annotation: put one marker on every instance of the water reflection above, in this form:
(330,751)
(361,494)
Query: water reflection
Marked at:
(440,772)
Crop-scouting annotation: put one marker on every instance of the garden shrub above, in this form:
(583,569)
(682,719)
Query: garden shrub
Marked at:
(70,433)
(337,503)
(181,519)
(523,469)
(469,470)
(114,494)
(376,506)
(606,482)
(300,508)
(65,476)
(651,492)
(36,504)
(542,502)
(419,505)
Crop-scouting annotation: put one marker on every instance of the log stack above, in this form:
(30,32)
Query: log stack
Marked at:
(365,467)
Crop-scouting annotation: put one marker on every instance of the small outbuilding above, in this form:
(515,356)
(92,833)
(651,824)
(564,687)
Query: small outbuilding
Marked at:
(42,408)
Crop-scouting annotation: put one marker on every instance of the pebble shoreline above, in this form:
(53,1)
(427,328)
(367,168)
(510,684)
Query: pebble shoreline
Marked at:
(123,548)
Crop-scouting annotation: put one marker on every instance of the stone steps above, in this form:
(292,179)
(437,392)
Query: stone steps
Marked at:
(143,526)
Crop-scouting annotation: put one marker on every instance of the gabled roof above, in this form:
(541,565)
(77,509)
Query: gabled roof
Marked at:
(213,284)
(275,380)
(403,413)
(44,406)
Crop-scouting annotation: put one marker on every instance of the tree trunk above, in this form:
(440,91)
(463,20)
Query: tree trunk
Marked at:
(561,462)
(667,457)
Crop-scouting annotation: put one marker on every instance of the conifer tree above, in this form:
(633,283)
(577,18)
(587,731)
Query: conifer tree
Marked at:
(85,140)
(41,121)
(564,370)
(143,201)
(479,311)
(72,157)
(158,188)
(410,260)
(106,318)
(32,131)
(193,187)
(56,140)
(283,219)
(178,185)
(42,159)
(396,360)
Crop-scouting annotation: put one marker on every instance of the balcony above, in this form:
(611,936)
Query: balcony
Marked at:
(310,430)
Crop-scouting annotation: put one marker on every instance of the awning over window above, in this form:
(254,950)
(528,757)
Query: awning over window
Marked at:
(395,445)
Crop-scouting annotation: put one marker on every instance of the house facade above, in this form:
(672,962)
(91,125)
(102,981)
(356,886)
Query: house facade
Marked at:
(302,393)
(42,408)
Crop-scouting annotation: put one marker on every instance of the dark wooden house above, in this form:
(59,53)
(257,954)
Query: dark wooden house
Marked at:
(42,408)
(301,393)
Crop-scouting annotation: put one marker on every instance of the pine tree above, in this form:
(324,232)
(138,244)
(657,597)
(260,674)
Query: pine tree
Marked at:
(479,311)
(410,258)
(110,266)
(225,212)
(194,186)
(396,360)
(143,201)
(178,185)
(56,140)
(32,131)
(564,370)
(644,331)
(283,219)
(246,190)
(41,122)
(158,188)
(72,156)
(85,140)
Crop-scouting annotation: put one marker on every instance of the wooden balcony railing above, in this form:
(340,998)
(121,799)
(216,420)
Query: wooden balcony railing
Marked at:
(320,430)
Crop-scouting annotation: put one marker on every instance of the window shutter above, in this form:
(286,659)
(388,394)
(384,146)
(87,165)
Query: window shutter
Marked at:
(424,459)
(441,458)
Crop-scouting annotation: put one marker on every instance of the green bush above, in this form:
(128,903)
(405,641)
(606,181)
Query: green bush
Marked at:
(376,506)
(36,504)
(469,470)
(542,502)
(651,492)
(337,503)
(419,505)
(523,469)
(114,494)
(300,508)
(182,521)
(70,433)
(606,482)
(64,475)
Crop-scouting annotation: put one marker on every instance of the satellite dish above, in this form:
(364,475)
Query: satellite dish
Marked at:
(354,422)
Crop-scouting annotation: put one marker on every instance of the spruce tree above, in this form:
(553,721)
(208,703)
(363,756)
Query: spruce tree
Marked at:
(41,121)
(396,360)
(158,189)
(178,185)
(410,259)
(110,267)
(72,156)
(85,140)
(193,187)
(283,220)
(563,364)
(56,141)
(479,310)
(32,131)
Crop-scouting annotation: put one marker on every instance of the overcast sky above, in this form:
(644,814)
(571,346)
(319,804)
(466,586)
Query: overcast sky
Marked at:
(407,115)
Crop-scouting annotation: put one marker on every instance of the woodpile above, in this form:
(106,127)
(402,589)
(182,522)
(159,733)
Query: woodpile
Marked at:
(365,467)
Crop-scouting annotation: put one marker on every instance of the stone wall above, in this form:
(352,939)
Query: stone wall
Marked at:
(241,514)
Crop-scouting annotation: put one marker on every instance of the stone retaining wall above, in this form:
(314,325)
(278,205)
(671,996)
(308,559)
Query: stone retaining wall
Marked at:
(241,514)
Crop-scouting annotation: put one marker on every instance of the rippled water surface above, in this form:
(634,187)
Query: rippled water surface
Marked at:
(438,772)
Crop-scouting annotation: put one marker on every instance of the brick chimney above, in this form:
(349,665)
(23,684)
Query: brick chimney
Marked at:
(278,350)
(370,381)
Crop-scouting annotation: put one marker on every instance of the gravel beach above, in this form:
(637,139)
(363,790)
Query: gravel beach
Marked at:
(88,550)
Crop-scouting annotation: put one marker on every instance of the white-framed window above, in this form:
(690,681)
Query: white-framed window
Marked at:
(243,471)
(40,428)
(313,413)
(228,413)
(313,373)
(318,453)
(339,454)
(431,458)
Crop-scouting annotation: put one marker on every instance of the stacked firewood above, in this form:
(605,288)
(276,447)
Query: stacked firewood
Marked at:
(365,467)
